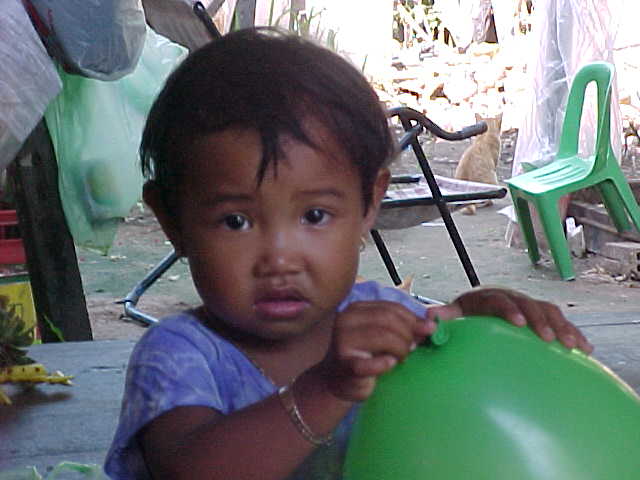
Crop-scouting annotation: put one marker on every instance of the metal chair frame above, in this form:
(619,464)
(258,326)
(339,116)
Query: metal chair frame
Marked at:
(414,123)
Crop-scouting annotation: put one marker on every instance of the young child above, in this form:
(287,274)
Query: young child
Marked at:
(267,161)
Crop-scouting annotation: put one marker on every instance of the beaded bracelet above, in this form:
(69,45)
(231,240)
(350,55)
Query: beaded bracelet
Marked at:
(289,403)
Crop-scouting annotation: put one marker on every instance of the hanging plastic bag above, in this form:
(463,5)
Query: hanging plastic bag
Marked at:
(62,471)
(98,39)
(567,34)
(76,471)
(176,20)
(21,473)
(95,128)
(28,79)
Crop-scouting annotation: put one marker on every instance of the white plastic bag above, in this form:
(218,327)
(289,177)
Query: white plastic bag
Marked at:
(566,35)
(28,79)
(100,39)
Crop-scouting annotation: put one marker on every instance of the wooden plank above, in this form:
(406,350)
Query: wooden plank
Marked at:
(50,423)
(51,257)
(598,228)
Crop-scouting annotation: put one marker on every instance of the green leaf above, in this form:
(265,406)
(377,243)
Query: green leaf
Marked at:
(56,331)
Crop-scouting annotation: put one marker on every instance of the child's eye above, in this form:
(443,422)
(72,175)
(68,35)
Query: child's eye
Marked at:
(236,222)
(316,216)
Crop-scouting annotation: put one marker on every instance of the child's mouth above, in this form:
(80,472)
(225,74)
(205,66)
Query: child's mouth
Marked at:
(284,304)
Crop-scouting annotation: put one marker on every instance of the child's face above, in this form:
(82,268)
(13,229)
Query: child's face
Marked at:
(275,260)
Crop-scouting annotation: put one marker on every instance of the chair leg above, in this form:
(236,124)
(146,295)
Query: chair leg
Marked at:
(443,209)
(386,257)
(554,231)
(633,209)
(454,235)
(629,200)
(615,203)
(526,227)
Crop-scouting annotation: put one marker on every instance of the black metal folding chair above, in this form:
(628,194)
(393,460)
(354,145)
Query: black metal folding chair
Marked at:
(429,195)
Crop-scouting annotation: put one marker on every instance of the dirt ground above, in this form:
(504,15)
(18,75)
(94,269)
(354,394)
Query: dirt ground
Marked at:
(140,244)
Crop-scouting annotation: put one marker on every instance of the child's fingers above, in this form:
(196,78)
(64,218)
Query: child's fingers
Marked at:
(384,313)
(585,345)
(566,332)
(536,317)
(362,370)
(381,316)
(369,339)
(374,342)
(499,303)
(544,318)
(372,366)
(549,323)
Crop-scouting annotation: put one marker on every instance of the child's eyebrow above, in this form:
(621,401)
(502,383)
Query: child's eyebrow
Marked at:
(323,192)
(221,198)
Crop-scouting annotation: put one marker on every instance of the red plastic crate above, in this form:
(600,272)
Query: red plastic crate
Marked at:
(11,246)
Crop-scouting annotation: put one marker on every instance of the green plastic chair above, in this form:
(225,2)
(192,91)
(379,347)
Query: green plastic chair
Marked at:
(568,173)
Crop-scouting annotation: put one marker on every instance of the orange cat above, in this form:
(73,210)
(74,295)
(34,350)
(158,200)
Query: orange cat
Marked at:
(479,161)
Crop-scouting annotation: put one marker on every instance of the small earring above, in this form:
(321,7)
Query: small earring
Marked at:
(363,244)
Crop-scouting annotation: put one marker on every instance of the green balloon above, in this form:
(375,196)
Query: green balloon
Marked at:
(492,401)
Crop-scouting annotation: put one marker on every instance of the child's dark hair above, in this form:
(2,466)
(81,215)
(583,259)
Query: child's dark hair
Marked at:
(270,81)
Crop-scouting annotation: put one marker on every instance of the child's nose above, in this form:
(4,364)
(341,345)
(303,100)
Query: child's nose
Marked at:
(279,254)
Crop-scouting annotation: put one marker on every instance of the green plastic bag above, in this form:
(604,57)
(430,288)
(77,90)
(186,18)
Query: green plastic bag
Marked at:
(96,127)
(62,471)
(494,402)
(21,473)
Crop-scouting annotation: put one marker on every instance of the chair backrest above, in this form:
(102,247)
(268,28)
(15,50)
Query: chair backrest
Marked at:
(602,74)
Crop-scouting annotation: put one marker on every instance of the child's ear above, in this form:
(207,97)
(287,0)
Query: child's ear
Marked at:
(379,189)
(153,196)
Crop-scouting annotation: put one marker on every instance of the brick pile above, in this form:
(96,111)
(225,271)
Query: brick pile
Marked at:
(450,87)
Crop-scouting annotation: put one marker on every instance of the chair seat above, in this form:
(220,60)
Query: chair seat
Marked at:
(565,173)
(404,207)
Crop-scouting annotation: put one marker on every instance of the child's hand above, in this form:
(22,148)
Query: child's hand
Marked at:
(369,339)
(544,318)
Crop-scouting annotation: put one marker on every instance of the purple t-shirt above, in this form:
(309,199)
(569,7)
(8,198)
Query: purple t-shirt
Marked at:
(181,362)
